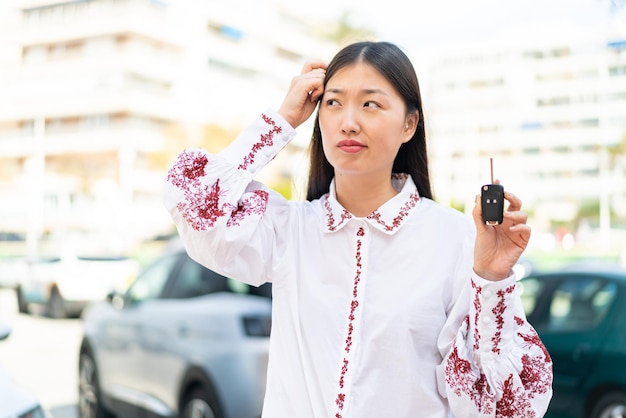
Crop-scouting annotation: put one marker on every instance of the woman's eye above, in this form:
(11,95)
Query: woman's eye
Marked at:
(331,102)
(371,104)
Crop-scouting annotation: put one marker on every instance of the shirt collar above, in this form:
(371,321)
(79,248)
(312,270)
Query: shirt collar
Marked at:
(388,218)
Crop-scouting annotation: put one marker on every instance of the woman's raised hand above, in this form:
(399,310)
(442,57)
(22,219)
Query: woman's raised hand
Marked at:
(499,247)
(305,89)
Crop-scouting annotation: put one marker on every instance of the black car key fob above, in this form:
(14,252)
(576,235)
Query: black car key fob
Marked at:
(492,201)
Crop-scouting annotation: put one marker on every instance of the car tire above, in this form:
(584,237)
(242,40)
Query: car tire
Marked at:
(89,394)
(56,305)
(610,405)
(22,305)
(199,402)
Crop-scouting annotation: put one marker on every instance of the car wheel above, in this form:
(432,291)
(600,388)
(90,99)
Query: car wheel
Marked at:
(89,395)
(56,305)
(612,405)
(22,306)
(198,403)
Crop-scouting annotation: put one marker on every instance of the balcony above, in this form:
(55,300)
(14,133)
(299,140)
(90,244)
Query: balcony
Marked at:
(68,21)
(82,140)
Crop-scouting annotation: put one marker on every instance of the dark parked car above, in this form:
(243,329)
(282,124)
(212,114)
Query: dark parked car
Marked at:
(580,315)
(182,341)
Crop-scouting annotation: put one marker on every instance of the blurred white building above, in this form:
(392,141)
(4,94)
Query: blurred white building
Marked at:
(546,105)
(90,89)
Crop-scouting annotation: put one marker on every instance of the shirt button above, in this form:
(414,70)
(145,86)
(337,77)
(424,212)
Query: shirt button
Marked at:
(486,320)
(487,293)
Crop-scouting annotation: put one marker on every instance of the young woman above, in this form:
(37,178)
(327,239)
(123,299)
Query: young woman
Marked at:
(385,303)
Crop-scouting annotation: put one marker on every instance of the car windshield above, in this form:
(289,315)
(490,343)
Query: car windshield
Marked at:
(580,303)
(177,276)
(573,302)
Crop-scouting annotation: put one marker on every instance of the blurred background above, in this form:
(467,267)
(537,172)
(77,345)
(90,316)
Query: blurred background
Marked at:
(98,96)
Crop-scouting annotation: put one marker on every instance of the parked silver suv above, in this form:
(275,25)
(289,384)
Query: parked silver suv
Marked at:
(182,341)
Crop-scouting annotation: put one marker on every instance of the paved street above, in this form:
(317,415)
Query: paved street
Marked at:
(41,354)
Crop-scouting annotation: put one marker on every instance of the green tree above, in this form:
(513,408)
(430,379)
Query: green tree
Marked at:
(343,32)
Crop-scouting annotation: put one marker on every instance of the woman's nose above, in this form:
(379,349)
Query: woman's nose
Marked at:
(349,123)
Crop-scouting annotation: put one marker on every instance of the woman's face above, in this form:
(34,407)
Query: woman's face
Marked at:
(363,121)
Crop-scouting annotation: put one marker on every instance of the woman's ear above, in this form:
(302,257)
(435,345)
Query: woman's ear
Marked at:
(410,126)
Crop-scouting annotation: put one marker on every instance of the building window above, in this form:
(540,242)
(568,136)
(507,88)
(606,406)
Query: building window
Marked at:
(561,149)
(231,68)
(620,122)
(553,101)
(560,52)
(225,31)
(617,70)
(589,123)
(288,54)
(617,96)
(531,150)
(617,46)
(96,121)
(590,73)
(533,55)
(589,148)
(562,124)
(530,125)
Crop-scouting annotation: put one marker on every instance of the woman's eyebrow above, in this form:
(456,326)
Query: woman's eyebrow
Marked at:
(375,91)
(365,91)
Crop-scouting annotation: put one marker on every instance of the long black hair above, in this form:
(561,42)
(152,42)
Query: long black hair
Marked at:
(396,67)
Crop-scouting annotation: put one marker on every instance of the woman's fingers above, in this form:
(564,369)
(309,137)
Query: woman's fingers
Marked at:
(313,83)
(515,202)
(313,65)
(304,91)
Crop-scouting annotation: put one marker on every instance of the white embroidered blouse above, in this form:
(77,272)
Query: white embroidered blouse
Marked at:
(380,316)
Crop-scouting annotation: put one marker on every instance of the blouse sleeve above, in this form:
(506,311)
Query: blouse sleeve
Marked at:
(220,211)
(494,364)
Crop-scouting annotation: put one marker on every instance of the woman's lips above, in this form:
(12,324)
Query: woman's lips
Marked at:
(350,146)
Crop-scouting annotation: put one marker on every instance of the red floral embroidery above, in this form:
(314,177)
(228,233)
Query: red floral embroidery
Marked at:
(533,339)
(498,311)
(344,370)
(201,207)
(341,398)
(331,224)
(460,378)
(477,310)
(189,166)
(515,402)
(397,221)
(255,203)
(266,140)
(354,304)
(518,392)
(536,374)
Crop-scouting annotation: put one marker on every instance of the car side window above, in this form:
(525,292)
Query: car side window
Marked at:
(149,284)
(530,289)
(195,280)
(580,303)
